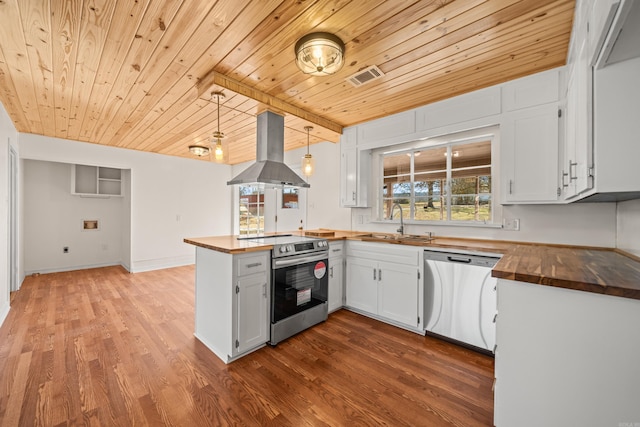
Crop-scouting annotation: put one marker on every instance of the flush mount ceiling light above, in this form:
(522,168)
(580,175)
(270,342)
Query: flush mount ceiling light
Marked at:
(308,162)
(319,54)
(199,150)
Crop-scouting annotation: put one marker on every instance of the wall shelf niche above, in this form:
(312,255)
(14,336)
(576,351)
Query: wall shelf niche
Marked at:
(96,181)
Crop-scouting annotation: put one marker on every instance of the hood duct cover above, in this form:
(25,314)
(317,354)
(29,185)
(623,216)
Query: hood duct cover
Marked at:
(269,167)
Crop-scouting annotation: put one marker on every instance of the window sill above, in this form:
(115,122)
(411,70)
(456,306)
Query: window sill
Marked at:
(439,223)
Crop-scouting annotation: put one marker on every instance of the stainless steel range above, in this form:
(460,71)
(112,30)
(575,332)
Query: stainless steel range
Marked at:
(299,284)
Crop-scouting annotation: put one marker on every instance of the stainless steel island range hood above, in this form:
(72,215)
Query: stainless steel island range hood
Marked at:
(269,167)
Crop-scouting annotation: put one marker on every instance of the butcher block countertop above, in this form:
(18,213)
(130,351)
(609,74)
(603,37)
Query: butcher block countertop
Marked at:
(597,270)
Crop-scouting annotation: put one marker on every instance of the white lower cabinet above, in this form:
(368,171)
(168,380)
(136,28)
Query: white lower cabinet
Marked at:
(336,275)
(362,286)
(232,302)
(251,311)
(383,281)
(398,288)
(565,357)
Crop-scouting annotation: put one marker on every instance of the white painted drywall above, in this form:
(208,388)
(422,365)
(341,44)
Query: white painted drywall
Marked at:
(53,218)
(8,136)
(588,224)
(171,198)
(323,197)
(628,227)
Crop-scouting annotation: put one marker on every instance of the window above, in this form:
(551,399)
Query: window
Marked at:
(447,182)
(251,209)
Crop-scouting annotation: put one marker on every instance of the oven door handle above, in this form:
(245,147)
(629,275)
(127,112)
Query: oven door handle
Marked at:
(278,263)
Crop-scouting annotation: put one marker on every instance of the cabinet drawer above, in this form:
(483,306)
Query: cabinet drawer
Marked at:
(252,264)
(336,250)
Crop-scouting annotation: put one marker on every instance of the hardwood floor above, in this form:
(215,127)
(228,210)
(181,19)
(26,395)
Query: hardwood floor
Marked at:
(103,347)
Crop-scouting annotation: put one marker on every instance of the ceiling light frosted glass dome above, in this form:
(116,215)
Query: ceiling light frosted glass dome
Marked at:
(319,54)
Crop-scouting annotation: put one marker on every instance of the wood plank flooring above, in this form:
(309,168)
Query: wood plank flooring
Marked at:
(103,347)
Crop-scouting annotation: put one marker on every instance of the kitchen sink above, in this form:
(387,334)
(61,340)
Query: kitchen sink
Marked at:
(396,238)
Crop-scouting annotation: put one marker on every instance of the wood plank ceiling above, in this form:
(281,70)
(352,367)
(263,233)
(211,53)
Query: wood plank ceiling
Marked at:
(139,74)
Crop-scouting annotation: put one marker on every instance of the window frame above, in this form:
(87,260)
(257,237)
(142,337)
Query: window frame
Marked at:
(447,141)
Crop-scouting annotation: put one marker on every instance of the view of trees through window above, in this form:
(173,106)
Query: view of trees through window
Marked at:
(444,183)
(251,209)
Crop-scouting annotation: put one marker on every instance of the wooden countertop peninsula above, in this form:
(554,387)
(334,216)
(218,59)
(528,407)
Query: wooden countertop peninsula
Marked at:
(597,270)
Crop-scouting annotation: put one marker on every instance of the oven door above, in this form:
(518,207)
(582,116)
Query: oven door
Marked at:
(298,283)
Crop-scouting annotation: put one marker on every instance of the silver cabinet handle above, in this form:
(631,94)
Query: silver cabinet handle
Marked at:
(379,274)
(336,250)
(374,274)
(564,175)
(264,290)
(510,186)
(255,264)
(495,318)
(331,272)
(353,196)
(572,165)
(495,347)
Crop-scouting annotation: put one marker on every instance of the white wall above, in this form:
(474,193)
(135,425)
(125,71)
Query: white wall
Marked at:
(628,227)
(171,198)
(583,224)
(52,219)
(323,197)
(8,136)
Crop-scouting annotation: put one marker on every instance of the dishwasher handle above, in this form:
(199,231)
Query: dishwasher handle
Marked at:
(458,259)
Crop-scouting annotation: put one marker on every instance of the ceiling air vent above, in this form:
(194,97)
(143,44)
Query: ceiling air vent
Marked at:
(365,76)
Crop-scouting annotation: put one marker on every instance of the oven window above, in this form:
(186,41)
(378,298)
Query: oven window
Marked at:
(298,288)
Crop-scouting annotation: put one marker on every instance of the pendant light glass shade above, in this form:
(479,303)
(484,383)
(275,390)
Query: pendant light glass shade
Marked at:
(219,153)
(217,135)
(308,163)
(319,54)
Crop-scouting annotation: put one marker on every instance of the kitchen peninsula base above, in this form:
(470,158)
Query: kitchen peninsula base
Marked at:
(232,301)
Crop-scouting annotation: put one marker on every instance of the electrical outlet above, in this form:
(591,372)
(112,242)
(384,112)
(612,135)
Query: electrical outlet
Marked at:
(512,224)
(65,250)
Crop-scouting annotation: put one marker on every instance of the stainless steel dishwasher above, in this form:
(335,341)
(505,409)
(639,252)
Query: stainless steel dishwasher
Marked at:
(460,297)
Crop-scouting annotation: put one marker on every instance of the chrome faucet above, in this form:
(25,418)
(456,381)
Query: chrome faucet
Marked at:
(401,228)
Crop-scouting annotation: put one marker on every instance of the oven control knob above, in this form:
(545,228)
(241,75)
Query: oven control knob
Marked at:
(283,249)
(290,248)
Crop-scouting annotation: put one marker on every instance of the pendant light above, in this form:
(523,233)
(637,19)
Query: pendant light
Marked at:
(203,150)
(217,135)
(308,163)
(319,54)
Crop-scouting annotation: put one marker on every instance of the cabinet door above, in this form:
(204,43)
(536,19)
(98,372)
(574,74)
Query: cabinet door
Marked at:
(348,178)
(530,154)
(336,281)
(578,153)
(398,293)
(252,312)
(362,284)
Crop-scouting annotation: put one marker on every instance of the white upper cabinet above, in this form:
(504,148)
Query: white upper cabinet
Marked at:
(354,171)
(577,170)
(603,103)
(600,18)
(529,138)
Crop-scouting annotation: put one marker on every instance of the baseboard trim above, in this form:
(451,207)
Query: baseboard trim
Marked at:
(4,312)
(69,268)
(158,264)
